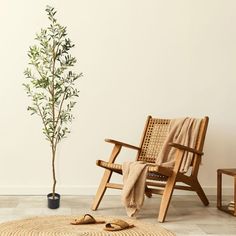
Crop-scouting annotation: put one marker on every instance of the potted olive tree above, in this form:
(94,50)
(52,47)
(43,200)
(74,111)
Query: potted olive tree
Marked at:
(51,85)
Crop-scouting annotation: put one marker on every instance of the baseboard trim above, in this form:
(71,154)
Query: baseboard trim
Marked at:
(90,190)
(42,190)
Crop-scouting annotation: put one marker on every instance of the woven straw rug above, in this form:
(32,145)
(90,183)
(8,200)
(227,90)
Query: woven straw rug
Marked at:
(60,226)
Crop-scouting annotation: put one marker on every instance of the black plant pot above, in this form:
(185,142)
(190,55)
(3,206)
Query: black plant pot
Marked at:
(53,203)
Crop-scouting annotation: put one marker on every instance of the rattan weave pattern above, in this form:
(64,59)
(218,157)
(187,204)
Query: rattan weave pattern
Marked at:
(60,226)
(155,136)
(152,170)
(118,167)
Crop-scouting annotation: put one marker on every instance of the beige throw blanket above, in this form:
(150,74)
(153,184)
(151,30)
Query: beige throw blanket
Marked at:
(183,131)
(134,178)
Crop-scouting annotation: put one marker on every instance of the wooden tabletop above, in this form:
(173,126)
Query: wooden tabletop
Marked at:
(231,171)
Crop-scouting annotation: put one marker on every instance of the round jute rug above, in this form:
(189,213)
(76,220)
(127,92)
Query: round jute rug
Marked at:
(60,226)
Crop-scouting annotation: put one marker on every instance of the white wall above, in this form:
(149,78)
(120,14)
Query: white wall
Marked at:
(164,58)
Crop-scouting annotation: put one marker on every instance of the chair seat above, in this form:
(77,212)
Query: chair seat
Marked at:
(154,172)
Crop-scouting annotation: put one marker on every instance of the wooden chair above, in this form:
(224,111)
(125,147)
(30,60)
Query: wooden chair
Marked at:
(160,180)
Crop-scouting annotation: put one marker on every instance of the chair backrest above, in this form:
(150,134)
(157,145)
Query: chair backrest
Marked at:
(155,133)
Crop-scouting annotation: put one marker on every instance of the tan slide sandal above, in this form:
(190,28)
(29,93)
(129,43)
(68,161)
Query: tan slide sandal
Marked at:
(86,219)
(116,225)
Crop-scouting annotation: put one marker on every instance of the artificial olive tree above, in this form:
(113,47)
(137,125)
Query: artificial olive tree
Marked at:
(51,84)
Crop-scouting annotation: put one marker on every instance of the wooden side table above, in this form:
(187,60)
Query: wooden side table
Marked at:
(230,172)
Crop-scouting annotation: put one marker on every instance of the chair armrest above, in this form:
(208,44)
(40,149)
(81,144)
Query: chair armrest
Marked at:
(122,144)
(185,148)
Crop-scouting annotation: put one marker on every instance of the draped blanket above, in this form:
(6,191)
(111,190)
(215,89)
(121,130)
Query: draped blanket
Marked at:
(134,178)
(183,131)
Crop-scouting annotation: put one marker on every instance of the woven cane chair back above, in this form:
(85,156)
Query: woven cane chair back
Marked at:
(155,133)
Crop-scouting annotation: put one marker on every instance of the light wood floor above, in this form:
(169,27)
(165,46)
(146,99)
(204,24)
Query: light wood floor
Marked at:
(186,216)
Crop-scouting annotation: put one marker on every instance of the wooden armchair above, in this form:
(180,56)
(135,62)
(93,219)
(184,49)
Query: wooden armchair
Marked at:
(160,180)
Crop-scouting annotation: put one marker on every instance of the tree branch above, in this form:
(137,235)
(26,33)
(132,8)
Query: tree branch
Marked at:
(53,91)
(40,74)
(60,108)
(44,123)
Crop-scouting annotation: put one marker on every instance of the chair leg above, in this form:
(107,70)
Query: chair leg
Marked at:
(197,187)
(105,179)
(165,201)
(101,189)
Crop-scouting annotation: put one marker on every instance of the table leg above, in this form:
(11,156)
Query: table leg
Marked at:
(234,195)
(219,189)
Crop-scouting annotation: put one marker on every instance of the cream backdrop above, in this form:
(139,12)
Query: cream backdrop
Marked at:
(164,58)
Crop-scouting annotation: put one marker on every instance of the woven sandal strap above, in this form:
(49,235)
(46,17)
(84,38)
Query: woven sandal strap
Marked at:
(91,217)
(122,224)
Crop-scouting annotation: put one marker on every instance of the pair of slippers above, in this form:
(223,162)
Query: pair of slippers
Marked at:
(113,225)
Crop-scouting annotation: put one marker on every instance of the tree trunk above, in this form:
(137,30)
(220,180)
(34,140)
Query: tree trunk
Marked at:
(53,171)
